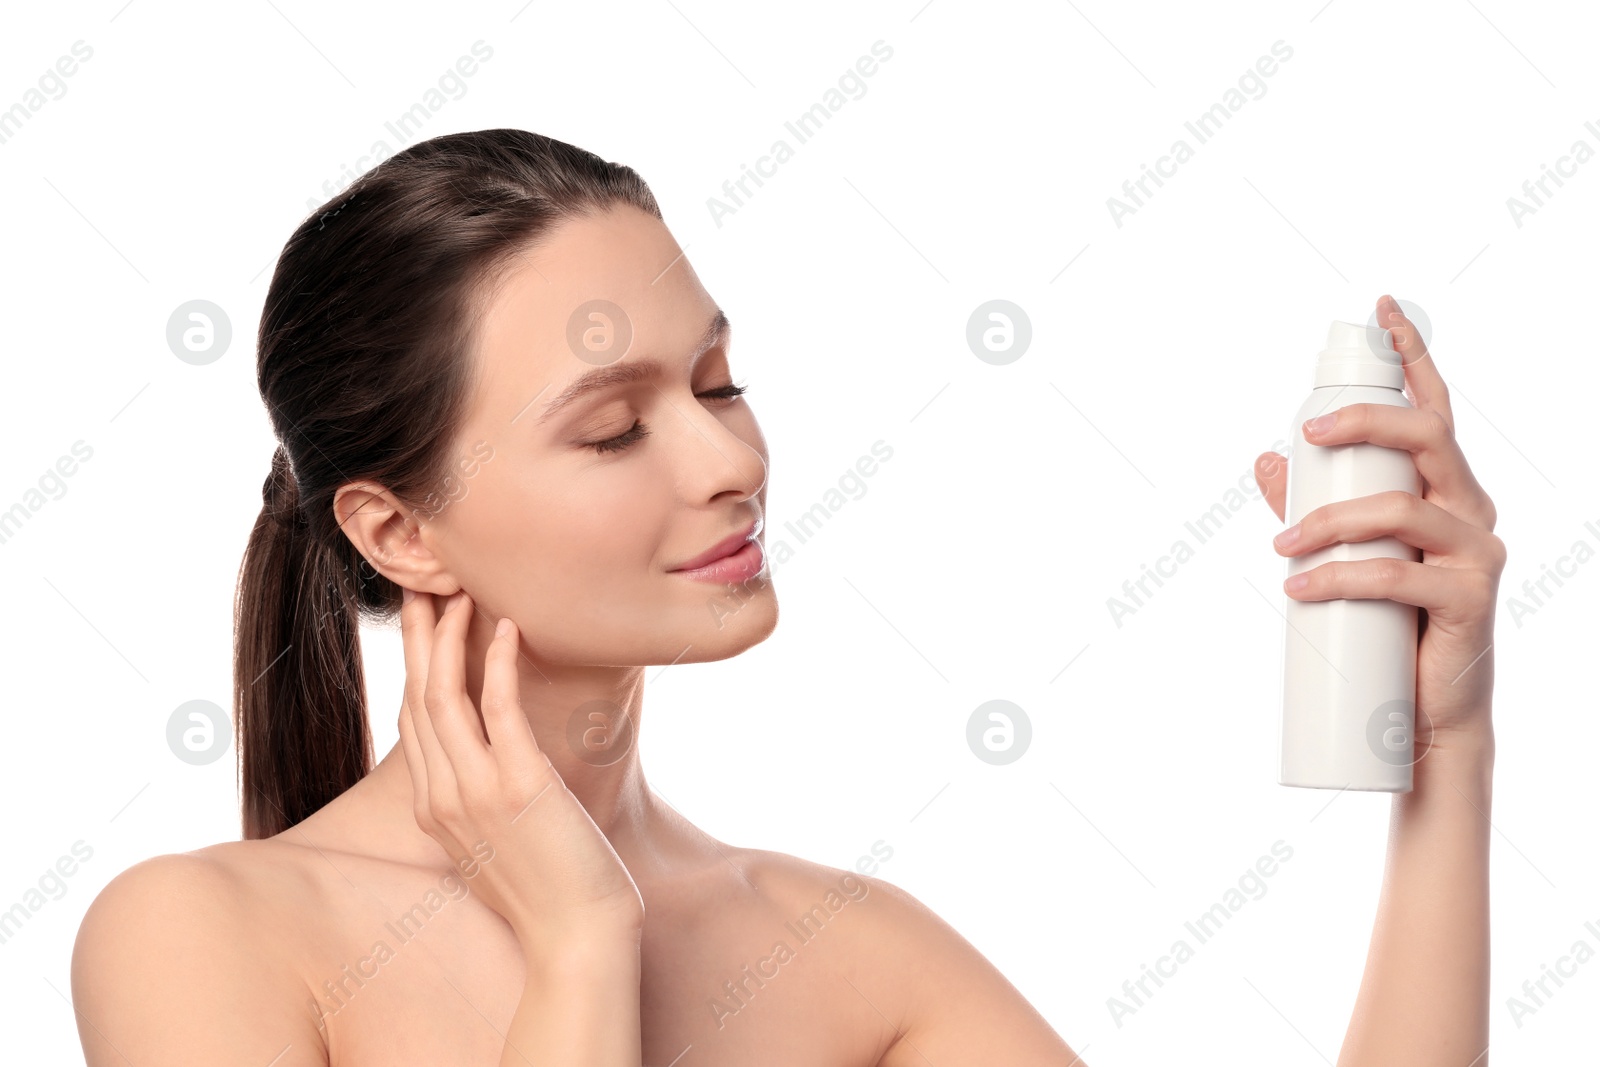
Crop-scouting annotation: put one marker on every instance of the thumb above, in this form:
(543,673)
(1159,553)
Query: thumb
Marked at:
(1272,477)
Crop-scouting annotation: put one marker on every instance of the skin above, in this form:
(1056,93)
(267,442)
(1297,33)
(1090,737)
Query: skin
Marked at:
(582,918)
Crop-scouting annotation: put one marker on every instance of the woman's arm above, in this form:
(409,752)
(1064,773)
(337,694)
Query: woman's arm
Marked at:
(475,771)
(1425,994)
(1424,997)
(580,1005)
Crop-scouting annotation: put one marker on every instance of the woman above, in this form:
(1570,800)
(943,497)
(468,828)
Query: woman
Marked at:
(507,412)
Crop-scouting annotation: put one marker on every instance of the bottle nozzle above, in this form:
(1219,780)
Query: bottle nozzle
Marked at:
(1359,355)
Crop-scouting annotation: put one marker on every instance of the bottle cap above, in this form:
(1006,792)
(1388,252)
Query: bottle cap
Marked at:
(1359,355)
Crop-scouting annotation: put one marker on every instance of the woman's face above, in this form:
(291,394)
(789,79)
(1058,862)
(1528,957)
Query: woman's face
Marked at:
(571,512)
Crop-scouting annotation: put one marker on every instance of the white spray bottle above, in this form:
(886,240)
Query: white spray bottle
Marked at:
(1349,665)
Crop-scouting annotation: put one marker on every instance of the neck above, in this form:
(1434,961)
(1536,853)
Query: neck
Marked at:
(586,721)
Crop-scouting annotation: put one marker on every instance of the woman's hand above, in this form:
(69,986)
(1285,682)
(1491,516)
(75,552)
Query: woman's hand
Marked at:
(1457,581)
(553,875)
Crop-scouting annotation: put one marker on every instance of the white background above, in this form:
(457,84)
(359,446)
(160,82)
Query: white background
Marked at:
(1166,354)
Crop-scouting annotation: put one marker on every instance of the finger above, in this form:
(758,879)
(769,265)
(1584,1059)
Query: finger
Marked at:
(1432,445)
(1272,478)
(422,802)
(1428,391)
(510,738)
(450,709)
(416,763)
(1448,594)
(417,624)
(1419,523)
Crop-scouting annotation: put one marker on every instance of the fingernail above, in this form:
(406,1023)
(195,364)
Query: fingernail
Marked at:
(1288,537)
(1297,582)
(502,628)
(1321,424)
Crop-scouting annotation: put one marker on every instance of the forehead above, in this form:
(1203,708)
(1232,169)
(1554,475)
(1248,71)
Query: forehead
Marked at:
(619,272)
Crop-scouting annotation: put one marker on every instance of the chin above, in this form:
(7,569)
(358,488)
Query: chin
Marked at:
(730,621)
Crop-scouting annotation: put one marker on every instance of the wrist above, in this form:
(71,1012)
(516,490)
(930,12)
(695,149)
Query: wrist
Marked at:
(1462,758)
(1472,745)
(585,951)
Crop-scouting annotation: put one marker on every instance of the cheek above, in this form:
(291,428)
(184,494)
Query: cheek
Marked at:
(561,537)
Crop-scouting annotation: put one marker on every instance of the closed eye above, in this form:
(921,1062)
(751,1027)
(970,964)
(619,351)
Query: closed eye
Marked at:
(639,431)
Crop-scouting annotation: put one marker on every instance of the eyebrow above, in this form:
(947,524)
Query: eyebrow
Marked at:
(619,373)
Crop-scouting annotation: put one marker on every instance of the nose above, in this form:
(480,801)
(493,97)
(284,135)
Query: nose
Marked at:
(722,453)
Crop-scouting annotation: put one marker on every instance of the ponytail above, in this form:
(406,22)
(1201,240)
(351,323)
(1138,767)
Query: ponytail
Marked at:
(299,697)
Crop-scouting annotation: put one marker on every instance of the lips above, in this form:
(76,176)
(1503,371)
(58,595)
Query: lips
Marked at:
(725,547)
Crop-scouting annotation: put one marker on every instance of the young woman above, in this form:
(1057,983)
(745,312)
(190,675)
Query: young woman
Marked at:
(507,412)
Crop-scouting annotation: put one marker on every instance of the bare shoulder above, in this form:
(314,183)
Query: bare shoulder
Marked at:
(943,997)
(782,874)
(169,966)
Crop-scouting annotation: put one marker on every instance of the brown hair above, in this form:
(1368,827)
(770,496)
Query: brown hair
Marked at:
(363,363)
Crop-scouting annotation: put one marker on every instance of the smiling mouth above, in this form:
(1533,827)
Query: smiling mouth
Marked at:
(728,546)
(737,567)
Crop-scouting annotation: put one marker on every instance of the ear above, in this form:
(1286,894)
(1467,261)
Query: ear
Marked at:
(389,534)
